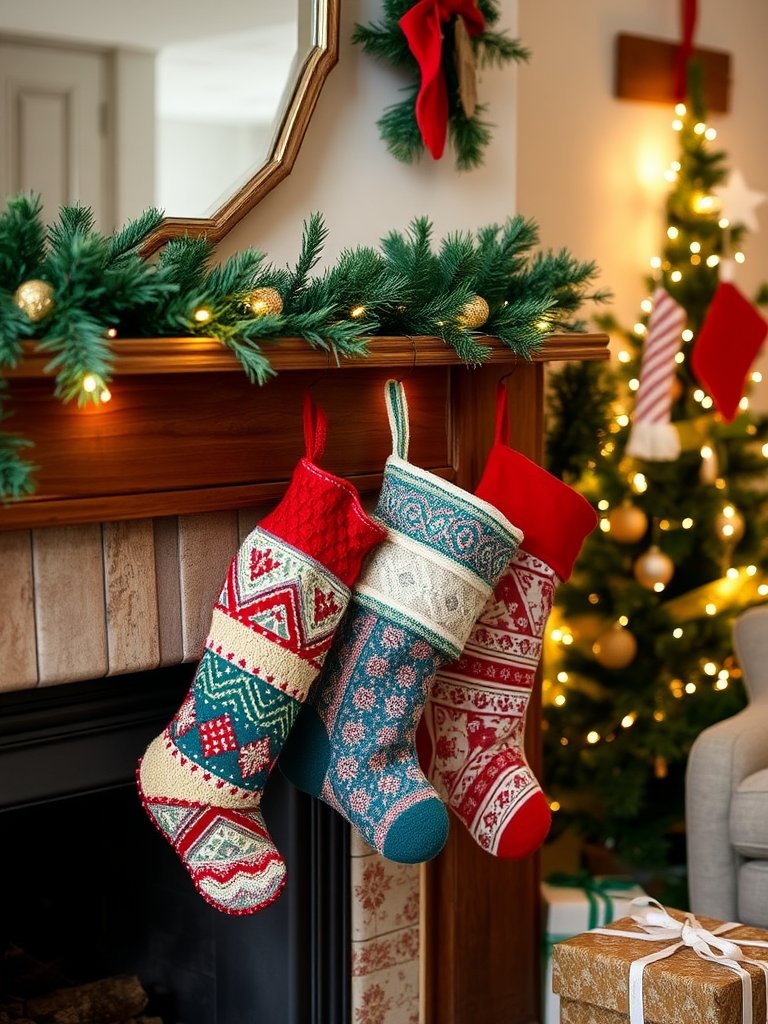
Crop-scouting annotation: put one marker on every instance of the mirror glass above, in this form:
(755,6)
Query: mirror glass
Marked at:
(124,104)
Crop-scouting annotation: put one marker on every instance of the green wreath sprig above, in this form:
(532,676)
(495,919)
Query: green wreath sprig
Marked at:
(438,42)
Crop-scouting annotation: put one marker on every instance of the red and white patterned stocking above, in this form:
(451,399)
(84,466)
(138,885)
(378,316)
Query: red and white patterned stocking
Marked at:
(472,733)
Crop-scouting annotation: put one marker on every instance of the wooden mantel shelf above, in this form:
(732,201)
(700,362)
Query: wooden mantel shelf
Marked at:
(207,355)
(185,431)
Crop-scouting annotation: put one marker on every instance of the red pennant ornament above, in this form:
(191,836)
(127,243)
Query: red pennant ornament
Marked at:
(725,348)
(422,26)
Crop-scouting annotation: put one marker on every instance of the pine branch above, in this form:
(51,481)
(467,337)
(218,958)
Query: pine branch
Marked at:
(399,130)
(130,237)
(313,238)
(22,240)
(469,136)
(495,49)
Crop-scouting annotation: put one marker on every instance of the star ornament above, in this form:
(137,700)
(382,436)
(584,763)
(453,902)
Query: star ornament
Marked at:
(738,202)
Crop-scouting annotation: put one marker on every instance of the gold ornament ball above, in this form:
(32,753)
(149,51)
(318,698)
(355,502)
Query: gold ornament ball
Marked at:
(729,525)
(265,302)
(474,313)
(628,523)
(35,298)
(654,567)
(615,648)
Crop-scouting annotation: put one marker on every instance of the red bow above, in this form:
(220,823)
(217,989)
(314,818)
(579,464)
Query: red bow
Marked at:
(422,27)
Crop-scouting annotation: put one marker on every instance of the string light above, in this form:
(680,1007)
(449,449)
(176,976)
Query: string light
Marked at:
(676,276)
(757,377)
(680,356)
(680,109)
(677,125)
(690,687)
(723,223)
(751,570)
(106,395)
(739,257)
(623,620)
(628,720)
(723,674)
(359,311)
(676,688)
(703,204)
(557,635)
(672,232)
(732,573)
(202,315)
(676,165)
(764,451)
(695,246)
(687,523)
(699,127)
(698,394)
(605,526)
(112,332)
(594,599)
(655,262)
(623,420)
(659,587)
(744,403)
(638,483)
(721,684)
(695,260)
(646,305)
(563,741)
(639,329)
(687,335)
(554,805)
(664,524)
(604,504)
(562,677)
(567,638)
(763,589)
(90,383)
(677,632)
(560,699)
(710,608)
(710,668)
(593,736)
(713,260)
(707,402)
(659,716)
(634,384)
(710,134)
(706,452)
(624,357)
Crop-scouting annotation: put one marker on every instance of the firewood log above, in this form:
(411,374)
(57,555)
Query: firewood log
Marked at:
(100,1002)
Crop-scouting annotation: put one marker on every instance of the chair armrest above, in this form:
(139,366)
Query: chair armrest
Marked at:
(720,759)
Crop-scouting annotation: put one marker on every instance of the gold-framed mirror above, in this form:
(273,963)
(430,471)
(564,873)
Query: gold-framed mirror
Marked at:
(197,108)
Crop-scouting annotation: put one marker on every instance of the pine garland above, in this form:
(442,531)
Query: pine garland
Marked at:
(397,125)
(102,289)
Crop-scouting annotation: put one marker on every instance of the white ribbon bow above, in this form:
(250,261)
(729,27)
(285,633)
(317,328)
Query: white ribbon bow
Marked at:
(659,926)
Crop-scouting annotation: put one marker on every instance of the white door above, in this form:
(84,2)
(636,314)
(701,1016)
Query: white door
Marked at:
(53,126)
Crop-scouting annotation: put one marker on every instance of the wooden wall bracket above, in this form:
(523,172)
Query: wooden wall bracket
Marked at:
(646,69)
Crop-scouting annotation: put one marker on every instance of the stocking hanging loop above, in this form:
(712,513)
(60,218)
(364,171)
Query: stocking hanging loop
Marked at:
(397,411)
(315,422)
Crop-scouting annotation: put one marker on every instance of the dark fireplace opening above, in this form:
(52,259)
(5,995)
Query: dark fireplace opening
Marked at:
(91,890)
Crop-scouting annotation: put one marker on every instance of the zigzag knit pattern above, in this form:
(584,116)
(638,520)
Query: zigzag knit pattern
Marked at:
(201,780)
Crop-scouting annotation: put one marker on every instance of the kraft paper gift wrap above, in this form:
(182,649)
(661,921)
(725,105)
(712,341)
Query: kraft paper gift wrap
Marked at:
(573,904)
(591,976)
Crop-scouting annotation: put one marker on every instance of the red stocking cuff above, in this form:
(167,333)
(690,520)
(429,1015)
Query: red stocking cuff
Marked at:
(554,518)
(321,515)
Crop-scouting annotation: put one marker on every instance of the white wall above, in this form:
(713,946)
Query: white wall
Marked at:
(344,170)
(585,157)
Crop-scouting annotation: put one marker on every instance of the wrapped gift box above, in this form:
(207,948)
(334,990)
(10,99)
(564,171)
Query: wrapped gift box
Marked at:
(573,908)
(591,976)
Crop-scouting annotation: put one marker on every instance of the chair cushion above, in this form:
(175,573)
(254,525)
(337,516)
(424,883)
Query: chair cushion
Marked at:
(753,893)
(749,816)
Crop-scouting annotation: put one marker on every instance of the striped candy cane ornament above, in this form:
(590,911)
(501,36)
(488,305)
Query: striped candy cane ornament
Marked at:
(653,437)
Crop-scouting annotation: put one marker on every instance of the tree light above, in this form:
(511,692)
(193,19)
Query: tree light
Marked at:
(623,420)
(687,334)
(562,677)
(202,315)
(658,587)
(639,328)
(710,608)
(557,635)
(554,805)
(732,573)
(744,403)
(603,504)
(751,570)
(695,247)
(672,232)
(680,109)
(690,687)
(634,384)
(677,632)
(703,204)
(655,262)
(90,383)
(723,223)
(699,128)
(623,620)
(646,305)
(605,526)
(706,452)
(721,684)
(713,260)
(676,276)
(706,402)
(106,395)
(677,125)
(628,720)
(687,523)
(710,134)
(638,483)
(764,451)
(593,737)
(560,699)
(757,377)
(763,589)
(710,668)
(739,257)
(624,356)
(680,356)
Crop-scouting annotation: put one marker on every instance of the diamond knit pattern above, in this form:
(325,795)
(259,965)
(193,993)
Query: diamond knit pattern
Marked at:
(285,592)
(472,734)
(412,610)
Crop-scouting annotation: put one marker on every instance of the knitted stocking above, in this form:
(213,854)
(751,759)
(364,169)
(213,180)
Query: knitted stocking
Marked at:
(471,736)
(286,590)
(412,610)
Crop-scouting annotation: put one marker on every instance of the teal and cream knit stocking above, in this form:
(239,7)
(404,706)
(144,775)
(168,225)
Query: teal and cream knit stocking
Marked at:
(412,609)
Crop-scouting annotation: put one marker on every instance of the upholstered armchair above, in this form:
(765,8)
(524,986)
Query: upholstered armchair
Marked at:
(727,795)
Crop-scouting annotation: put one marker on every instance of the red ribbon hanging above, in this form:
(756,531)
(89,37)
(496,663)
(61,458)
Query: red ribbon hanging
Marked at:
(422,26)
(688,16)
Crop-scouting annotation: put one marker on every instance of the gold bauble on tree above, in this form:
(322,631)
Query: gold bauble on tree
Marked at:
(729,524)
(628,523)
(474,313)
(654,569)
(35,298)
(264,302)
(615,648)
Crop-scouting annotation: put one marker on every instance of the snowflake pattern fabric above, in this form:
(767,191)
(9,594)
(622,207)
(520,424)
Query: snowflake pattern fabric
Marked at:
(411,611)
(473,729)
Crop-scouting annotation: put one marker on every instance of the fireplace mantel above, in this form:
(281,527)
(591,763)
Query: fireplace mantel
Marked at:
(178,435)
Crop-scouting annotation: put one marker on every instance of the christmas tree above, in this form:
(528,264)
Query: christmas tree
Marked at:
(639,657)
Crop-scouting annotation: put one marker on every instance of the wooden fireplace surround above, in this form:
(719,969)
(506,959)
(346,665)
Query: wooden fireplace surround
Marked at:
(185,432)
